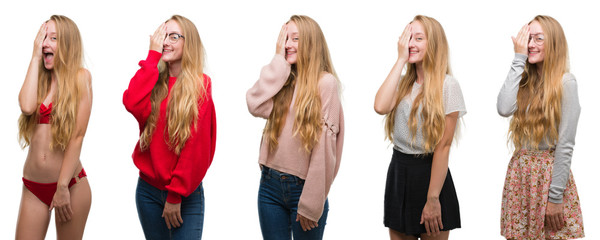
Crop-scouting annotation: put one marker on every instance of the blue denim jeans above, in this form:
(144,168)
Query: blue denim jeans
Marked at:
(278,197)
(150,202)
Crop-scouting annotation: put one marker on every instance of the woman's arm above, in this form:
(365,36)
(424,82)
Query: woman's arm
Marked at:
(567,130)
(325,157)
(28,93)
(385,100)
(137,96)
(507,98)
(194,160)
(432,215)
(62,200)
(272,78)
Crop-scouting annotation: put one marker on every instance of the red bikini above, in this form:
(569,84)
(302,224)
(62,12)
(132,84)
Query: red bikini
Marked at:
(45,191)
(45,113)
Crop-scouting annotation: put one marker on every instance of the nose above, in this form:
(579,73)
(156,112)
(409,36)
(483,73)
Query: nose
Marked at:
(166,42)
(531,42)
(411,42)
(288,43)
(46,42)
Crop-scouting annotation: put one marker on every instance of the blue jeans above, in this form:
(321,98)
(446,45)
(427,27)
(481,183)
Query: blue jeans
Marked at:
(150,202)
(278,197)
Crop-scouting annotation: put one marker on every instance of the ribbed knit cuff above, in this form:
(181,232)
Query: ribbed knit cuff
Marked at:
(173,197)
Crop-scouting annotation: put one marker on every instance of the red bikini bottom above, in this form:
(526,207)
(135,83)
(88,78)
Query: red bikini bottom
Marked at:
(45,191)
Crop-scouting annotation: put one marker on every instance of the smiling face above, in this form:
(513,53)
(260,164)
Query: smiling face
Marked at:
(172,52)
(49,45)
(291,44)
(536,43)
(417,46)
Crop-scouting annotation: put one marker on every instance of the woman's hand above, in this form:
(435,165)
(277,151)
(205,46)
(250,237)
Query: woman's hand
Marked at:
(403,41)
(306,223)
(554,216)
(158,38)
(522,40)
(432,217)
(172,215)
(62,204)
(39,41)
(281,41)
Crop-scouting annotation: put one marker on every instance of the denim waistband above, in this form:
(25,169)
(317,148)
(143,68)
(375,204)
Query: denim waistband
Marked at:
(284,177)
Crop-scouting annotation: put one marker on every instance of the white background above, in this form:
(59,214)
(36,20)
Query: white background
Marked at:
(239,37)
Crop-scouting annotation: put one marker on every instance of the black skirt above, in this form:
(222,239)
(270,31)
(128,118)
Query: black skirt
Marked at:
(406,194)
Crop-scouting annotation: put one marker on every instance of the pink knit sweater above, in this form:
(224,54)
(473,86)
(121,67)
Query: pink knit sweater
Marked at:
(319,167)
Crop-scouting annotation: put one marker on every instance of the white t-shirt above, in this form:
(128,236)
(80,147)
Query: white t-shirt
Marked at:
(453,102)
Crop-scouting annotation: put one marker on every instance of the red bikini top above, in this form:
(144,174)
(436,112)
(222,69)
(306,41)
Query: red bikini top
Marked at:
(45,113)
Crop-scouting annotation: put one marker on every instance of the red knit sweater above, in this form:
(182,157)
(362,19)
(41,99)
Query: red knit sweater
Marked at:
(158,165)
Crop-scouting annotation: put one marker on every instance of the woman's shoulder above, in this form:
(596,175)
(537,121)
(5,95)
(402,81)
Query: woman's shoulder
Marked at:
(568,77)
(207,80)
(84,74)
(84,77)
(451,82)
(328,81)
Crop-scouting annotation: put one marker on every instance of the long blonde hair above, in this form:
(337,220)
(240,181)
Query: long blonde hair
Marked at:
(539,98)
(428,106)
(313,61)
(68,69)
(187,93)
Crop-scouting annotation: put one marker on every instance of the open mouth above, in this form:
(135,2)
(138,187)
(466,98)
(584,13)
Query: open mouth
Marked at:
(48,56)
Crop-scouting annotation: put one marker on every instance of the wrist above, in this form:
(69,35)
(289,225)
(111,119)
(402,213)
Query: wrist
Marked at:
(60,186)
(433,198)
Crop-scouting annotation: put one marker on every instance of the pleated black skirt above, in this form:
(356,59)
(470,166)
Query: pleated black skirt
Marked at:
(406,194)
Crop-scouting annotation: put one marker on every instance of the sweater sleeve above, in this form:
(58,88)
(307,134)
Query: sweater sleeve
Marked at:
(326,154)
(567,129)
(272,78)
(197,154)
(137,96)
(507,98)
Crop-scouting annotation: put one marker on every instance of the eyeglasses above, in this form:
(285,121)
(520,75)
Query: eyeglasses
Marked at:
(174,37)
(538,39)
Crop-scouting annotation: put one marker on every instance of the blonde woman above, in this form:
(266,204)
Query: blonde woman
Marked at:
(56,101)
(422,109)
(540,199)
(303,138)
(170,97)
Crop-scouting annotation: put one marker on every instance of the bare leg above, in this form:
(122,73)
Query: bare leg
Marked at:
(34,217)
(442,236)
(395,235)
(81,201)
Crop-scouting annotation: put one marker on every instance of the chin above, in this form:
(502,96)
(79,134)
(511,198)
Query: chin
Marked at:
(291,61)
(49,67)
(414,59)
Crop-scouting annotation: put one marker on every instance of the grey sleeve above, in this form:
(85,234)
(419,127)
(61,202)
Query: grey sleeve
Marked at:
(567,129)
(507,98)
